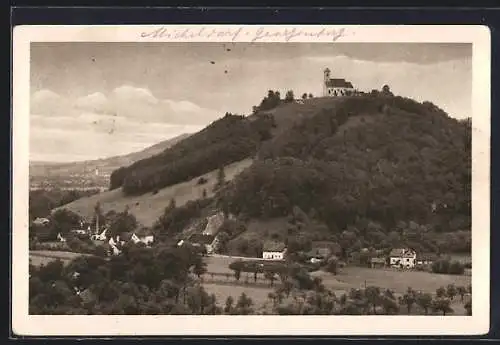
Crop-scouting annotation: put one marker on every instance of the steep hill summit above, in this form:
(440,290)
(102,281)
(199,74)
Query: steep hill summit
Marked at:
(357,168)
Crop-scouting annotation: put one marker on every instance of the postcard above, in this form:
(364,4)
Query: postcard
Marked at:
(250,180)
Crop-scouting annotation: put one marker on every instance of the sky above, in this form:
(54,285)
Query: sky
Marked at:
(95,100)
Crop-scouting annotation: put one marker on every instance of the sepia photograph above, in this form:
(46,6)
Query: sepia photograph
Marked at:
(213,172)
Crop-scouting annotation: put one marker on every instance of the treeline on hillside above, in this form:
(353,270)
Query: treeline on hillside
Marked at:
(227,140)
(412,162)
(41,202)
(273,99)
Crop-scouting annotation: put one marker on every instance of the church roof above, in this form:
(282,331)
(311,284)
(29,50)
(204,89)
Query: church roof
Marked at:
(338,83)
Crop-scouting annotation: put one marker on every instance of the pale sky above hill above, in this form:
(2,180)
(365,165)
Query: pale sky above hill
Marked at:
(94,100)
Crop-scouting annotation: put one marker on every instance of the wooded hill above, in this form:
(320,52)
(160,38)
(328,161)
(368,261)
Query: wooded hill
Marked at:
(373,159)
(386,159)
(225,141)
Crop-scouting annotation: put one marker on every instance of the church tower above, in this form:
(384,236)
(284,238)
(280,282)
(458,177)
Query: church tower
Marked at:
(326,78)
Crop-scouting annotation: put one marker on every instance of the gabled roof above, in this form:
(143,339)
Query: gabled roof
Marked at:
(334,247)
(338,82)
(201,238)
(402,252)
(397,252)
(319,252)
(273,246)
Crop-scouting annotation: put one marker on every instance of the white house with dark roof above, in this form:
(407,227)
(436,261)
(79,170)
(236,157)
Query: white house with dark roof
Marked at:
(336,87)
(402,257)
(273,250)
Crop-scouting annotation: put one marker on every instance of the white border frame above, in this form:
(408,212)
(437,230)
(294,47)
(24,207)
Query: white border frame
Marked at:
(24,324)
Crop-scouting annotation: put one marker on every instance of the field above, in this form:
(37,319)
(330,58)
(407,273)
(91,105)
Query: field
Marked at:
(148,207)
(350,277)
(260,298)
(356,277)
(397,280)
(222,292)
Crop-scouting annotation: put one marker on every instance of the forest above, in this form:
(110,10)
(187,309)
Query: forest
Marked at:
(227,140)
(402,161)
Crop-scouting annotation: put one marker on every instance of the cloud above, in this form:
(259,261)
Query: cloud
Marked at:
(96,125)
(447,83)
(49,103)
(125,101)
(134,94)
(96,102)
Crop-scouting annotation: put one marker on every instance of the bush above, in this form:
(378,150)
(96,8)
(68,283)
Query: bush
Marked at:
(202,180)
(448,267)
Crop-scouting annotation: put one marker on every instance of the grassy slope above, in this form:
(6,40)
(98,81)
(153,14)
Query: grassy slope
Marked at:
(148,207)
(288,114)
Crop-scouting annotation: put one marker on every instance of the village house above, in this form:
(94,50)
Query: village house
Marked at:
(378,262)
(322,250)
(273,250)
(402,257)
(60,238)
(336,87)
(318,254)
(334,247)
(113,246)
(144,235)
(41,221)
(100,237)
(207,241)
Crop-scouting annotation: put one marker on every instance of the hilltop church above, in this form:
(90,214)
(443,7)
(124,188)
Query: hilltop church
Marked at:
(336,87)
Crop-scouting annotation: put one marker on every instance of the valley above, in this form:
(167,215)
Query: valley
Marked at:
(367,175)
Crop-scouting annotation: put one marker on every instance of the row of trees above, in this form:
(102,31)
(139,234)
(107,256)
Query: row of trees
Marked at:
(273,99)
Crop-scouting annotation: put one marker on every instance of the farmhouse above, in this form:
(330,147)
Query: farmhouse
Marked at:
(273,250)
(402,257)
(336,87)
